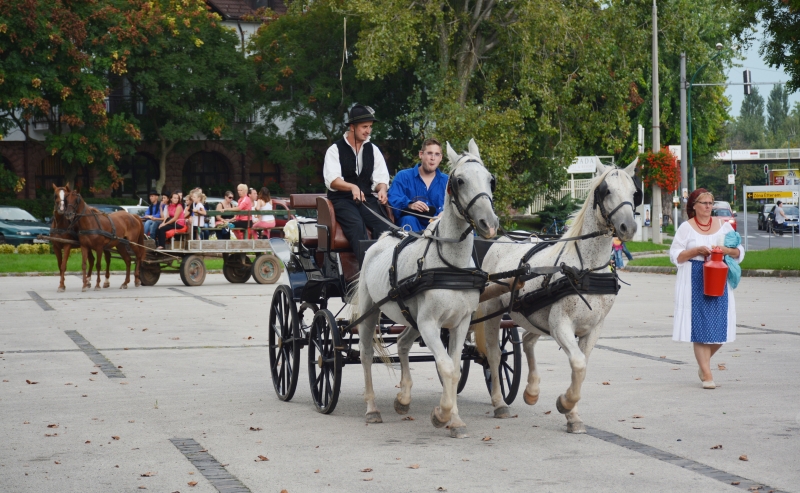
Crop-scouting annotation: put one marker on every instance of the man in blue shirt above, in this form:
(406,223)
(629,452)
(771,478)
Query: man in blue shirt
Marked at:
(153,215)
(419,191)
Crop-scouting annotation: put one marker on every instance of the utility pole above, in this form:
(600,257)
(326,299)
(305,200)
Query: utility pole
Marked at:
(684,148)
(656,217)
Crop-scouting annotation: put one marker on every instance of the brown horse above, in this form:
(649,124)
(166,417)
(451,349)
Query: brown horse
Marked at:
(97,230)
(59,228)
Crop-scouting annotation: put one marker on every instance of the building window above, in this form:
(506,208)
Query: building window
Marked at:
(266,174)
(140,173)
(51,172)
(207,170)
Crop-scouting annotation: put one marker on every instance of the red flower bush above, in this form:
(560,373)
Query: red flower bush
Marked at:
(660,168)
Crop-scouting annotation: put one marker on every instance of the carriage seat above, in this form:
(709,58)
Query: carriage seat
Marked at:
(305,201)
(331,236)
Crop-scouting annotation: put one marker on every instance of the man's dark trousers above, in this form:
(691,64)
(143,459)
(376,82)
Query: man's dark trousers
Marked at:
(352,217)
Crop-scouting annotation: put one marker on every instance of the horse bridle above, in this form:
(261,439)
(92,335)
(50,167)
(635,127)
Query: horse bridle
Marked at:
(602,190)
(452,188)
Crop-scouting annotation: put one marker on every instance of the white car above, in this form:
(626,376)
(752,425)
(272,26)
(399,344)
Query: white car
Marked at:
(138,210)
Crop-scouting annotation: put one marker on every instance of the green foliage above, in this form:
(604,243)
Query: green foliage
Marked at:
(777,108)
(9,181)
(34,249)
(559,210)
(5,248)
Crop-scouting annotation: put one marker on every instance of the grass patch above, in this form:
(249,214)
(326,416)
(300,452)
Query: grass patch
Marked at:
(47,263)
(645,246)
(774,259)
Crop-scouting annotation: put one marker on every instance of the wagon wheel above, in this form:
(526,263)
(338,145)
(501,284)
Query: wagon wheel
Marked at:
(510,365)
(237,268)
(149,274)
(324,361)
(266,269)
(193,270)
(284,345)
(445,334)
(305,316)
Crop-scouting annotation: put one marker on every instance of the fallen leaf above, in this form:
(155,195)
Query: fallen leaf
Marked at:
(123,383)
(743,457)
(637,416)
(716,447)
(486,439)
(30,383)
(249,337)
(52,426)
(316,472)
(119,367)
(26,422)
(175,338)
(190,483)
(5,381)
(638,427)
(57,462)
(148,474)
(68,383)
(676,368)
(548,412)
(496,427)
(662,357)
(763,325)
(255,429)
(639,378)
(721,366)
(414,466)
(606,383)
(142,487)
(91,379)
(620,420)
(408,418)
(115,437)
(465,460)
(145,329)
(632,474)
(367,479)
(88,441)
(131,421)
(736,483)
(261,458)
(49,435)
(368,469)
(84,395)
(441,488)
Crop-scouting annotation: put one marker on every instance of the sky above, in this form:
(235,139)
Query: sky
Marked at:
(759,72)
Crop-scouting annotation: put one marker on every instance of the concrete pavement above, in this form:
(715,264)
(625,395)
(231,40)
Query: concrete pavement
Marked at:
(180,375)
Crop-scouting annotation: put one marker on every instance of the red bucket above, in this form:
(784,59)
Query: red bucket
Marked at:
(715,274)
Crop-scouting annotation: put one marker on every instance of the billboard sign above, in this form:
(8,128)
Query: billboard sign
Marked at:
(787,177)
(583,164)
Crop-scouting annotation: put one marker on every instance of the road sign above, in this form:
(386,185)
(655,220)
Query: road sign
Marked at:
(731,179)
(583,164)
(771,195)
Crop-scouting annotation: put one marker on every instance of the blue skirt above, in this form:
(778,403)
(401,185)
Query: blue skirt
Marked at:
(709,313)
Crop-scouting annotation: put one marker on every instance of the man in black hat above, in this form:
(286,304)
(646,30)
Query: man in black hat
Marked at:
(153,215)
(354,169)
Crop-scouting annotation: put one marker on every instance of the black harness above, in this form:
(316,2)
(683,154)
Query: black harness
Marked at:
(112,236)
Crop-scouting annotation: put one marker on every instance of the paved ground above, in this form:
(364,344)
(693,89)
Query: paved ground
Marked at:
(183,376)
(762,240)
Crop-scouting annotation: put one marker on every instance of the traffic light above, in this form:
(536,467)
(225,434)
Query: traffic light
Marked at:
(734,168)
(766,169)
(747,82)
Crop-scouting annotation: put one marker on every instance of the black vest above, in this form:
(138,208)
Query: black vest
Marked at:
(347,160)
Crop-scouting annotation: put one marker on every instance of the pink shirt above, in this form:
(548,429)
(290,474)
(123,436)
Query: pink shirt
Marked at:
(171,209)
(244,205)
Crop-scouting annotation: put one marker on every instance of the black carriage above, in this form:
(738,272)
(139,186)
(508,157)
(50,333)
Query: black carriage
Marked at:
(319,266)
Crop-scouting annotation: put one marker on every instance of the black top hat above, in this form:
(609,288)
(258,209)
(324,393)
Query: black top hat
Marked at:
(153,192)
(360,114)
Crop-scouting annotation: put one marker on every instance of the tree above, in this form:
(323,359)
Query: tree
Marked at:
(777,109)
(780,45)
(185,67)
(306,84)
(751,125)
(55,58)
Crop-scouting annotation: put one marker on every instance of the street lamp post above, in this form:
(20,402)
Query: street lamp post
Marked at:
(689,114)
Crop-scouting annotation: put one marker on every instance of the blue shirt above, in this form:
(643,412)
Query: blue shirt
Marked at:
(154,210)
(408,187)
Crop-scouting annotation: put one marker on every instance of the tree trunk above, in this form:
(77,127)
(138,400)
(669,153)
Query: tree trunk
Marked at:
(166,149)
(667,208)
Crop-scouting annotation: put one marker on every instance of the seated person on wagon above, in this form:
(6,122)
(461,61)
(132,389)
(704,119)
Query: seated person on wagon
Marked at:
(225,221)
(419,191)
(173,220)
(354,168)
(262,224)
(153,215)
(244,204)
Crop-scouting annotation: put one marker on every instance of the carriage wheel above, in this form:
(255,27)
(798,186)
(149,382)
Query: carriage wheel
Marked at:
(305,316)
(149,274)
(324,361)
(266,269)
(510,365)
(284,345)
(445,334)
(193,270)
(237,268)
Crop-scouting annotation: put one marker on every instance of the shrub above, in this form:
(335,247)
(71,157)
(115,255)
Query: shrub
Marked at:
(34,249)
(6,248)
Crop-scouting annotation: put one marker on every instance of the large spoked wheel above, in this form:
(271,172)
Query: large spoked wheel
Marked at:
(510,365)
(324,361)
(305,316)
(284,343)
(266,269)
(237,268)
(193,270)
(149,274)
(464,363)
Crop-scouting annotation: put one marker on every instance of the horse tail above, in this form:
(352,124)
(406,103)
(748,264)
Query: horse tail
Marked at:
(479,329)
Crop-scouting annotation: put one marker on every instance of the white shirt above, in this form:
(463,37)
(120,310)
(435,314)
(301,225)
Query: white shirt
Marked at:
(780,216)
(197,219)
(332,168)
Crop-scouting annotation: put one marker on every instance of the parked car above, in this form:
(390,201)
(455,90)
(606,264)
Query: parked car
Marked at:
(792,216)
(108,209)
(18,226)
(137,210)
(727,213)
(763,215)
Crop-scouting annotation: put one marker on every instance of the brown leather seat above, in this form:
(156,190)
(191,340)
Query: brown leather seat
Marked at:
(327,217)
(305,201)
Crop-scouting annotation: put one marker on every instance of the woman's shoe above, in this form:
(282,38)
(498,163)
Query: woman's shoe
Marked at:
(700,373)
(709,385)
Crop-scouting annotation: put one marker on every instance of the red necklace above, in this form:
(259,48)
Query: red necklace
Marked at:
(700,225)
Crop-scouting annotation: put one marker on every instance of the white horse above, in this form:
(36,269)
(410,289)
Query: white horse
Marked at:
(605,210)
(468,205)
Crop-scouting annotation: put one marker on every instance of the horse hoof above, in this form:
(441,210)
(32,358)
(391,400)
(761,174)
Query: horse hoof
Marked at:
(502,412)
(374,417)
(61,290)
(97,288)
(459,432)
(576,428)
(530,399)
(83,289)
(560,407)
(106,285)
(138,283)
(124,286)
(400,407)
(435,421)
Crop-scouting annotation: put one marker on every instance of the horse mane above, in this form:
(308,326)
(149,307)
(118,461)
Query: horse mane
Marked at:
(466,154)
(577,223)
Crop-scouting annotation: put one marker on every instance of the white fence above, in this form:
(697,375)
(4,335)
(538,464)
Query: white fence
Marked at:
(577,189)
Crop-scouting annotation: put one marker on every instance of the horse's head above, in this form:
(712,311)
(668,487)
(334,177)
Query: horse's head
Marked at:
(59,198)
(471,188)
(615,198)
(73,205)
